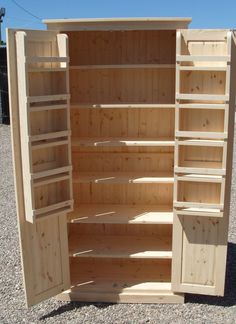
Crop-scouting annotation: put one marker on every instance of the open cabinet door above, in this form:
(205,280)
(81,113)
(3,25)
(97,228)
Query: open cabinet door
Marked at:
(205,99)
(40,126)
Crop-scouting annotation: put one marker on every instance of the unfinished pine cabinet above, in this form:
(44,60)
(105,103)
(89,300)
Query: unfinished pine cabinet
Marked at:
(122,135)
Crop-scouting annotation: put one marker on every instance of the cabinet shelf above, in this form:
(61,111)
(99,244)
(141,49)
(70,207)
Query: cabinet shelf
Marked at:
(200,212)
(213,97)
(112,141)
(121,106)
(46,59)
(47,69)
(48,107)
(52,172)
(122,66)
(119,246)
(51,179)
(49,136)
(202,68)
(121,214)
(123,177)
(203,106)
(123,291)
(212,135)
(57,97)
(202,58)
(64,206)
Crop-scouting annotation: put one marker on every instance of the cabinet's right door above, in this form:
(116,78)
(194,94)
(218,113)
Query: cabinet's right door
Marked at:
(205,102)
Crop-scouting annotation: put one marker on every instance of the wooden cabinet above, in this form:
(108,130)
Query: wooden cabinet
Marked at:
(122,133)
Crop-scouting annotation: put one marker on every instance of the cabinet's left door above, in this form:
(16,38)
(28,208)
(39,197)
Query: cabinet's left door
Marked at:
(40,125)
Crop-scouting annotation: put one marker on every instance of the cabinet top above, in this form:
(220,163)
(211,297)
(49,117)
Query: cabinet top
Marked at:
(144,23)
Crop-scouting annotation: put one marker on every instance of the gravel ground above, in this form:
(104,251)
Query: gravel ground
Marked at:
(197,309)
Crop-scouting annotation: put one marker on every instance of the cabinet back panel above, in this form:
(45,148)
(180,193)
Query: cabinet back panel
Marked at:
(48,121)
(203,120)
(121,47)
(47,83)
(161,194)
(202,82)
(123,86)
(123,162)
(50,158)
(52,193)
(123,122)
(93,270)
(201,192)
(200,156)
(119,230)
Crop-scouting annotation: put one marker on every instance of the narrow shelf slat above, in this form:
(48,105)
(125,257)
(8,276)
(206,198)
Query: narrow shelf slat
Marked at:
(202,68)
(213,135)
(109,141)
(122,66)
(119,246)
(48,107)
(51,179)
(121,106)
(54,207)
(47,173)
(46,59)
(200,170)
(199,205)
(32,99)
(48,143)
(200,142)
(48,136)
(202,58)
(205,212)
(189,96)
(203,106)
(121,214)
(123,177)
(47,69)
(200,178)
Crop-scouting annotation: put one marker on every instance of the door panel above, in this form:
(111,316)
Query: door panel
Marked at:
(203,159)
(43,236)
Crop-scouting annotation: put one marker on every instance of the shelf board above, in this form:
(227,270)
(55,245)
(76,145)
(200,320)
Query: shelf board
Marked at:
(47,69)
(205,212)
(118,141)
(122,66)
(51,172)
(123,177)
(126,291)
(194,96)
(203,106)
(192,204)
(200,142)
(46,59)
(51,179)
(121,106)
(121,214)
(119,246)
(212,135)
(49,143)
(57,97)
(49,136)
(200,178)
(199,170)
(202,58)
(47,107)
(202,68)
(66,206)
